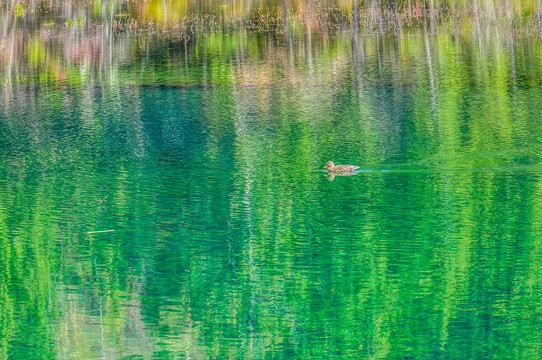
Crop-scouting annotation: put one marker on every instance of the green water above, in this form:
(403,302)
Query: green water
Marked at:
(164,199)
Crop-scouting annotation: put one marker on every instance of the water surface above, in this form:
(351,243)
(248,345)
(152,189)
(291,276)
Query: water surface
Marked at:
(164,198)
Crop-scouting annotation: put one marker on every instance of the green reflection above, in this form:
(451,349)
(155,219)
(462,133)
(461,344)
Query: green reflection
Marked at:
(164,198)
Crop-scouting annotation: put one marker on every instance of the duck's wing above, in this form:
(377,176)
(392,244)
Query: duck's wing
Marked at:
(345,168)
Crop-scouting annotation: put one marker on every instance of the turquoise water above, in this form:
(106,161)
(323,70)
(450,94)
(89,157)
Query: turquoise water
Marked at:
(167,200)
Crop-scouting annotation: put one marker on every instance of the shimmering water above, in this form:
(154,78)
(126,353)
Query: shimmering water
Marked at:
(165,199)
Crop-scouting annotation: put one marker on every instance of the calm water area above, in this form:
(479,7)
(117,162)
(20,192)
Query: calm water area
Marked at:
(165,198)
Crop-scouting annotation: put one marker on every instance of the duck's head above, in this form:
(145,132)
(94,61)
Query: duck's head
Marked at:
(329,165)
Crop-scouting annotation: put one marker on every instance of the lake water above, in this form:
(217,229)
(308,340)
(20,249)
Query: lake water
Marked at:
(165,198)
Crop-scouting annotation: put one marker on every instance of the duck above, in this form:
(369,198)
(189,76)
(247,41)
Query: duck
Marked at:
(331,167)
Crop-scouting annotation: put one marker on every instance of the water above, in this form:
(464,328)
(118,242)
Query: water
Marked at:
(163,198)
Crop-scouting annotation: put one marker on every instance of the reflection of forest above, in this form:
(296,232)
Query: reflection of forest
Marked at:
(34,51)
(253,250)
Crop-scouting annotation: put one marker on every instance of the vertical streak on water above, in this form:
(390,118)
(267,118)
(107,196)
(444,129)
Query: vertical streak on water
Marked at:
(355,49)
(380,24)
(12,50)
(250,266)
(5,21)
(432,16)
(287,41)
(102,331)
(478,24)
(72,314)
(102,36)
(309,46)
(185,51)
(111,9)
(491,12)
(190,323)
(251,274)
(355,34)
(512,59)
(240,129)
(431,75)
(377,37)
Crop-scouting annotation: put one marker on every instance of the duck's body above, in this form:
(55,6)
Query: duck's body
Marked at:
(331,167)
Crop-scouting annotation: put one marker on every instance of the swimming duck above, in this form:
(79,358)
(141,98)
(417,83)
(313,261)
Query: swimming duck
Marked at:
(330,166)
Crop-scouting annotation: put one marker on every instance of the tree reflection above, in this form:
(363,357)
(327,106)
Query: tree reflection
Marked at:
(203,154)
